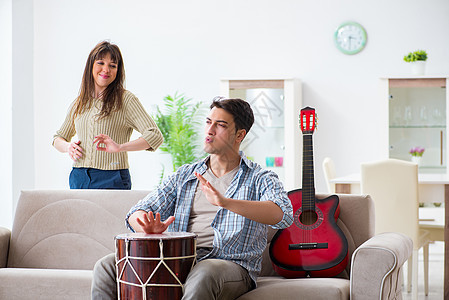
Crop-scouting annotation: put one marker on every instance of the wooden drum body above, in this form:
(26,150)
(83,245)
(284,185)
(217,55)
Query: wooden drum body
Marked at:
(153,266)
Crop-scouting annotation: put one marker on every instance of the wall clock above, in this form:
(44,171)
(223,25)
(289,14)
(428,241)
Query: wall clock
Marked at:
(350,38)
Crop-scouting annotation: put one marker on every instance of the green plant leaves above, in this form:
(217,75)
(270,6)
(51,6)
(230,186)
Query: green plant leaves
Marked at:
(415,56)
(178,122)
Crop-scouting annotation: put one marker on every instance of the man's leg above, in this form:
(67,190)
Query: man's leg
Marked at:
(104,284)
(217,279)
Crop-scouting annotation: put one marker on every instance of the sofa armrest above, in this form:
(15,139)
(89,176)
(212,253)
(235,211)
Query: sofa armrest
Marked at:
(5,236)
(376,266)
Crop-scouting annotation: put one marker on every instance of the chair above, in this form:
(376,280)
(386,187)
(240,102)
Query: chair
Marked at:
(329,174)
(393,185)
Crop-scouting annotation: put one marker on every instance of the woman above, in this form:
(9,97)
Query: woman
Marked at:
(103,117)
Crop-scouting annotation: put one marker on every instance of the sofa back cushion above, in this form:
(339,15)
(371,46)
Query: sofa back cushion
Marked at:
(356,220)
(68,229)
(72,229)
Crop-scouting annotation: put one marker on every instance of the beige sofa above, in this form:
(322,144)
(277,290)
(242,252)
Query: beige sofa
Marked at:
(58,236)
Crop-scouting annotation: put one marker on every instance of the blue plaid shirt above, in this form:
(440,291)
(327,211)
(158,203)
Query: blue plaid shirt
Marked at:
(236,238)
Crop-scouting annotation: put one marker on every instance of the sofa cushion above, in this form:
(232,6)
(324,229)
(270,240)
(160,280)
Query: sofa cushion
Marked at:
(302,288)
(69,229)
(35,284)
(5,236)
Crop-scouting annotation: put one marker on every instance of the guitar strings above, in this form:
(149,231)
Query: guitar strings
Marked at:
(308,190)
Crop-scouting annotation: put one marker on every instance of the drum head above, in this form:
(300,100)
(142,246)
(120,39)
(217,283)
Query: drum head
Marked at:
(155,236)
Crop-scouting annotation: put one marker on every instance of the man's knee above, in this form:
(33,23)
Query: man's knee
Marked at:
(105,263)
(214,270)
(216,279)
(104,279)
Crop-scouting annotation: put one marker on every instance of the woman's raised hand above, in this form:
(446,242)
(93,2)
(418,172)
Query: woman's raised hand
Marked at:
(105,143)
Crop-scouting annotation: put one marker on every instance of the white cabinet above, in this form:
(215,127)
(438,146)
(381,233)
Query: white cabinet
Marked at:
(417,117)
(275,140)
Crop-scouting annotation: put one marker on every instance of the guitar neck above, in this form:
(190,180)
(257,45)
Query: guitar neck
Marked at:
(308,180)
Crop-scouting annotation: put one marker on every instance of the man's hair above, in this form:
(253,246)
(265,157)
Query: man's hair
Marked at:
(239,109)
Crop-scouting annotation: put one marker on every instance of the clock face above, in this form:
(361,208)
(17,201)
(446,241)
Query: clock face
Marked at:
(350,38)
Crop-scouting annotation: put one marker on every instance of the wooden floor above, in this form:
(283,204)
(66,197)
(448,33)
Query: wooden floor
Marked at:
(436,272)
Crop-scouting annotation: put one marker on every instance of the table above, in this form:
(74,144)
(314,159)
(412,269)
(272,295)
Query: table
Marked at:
(427,182)
(432,220)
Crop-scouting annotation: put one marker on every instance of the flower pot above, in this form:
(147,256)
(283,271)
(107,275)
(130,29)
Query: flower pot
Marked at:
(418,67)
(416,159)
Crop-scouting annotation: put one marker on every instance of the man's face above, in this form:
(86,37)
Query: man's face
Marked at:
(221,136)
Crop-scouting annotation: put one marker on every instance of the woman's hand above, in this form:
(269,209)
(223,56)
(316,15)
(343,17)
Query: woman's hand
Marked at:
(74,150)
(105,143)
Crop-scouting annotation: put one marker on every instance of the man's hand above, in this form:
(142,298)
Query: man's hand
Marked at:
(266,212)
(146,222)
(212,195)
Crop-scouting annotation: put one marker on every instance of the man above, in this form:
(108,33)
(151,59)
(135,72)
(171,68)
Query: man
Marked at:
(225,198)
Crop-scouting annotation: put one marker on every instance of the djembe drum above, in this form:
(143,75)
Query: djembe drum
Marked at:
(153,266)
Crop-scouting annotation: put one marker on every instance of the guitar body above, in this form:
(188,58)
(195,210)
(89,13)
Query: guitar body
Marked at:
(313,246)
(290,261)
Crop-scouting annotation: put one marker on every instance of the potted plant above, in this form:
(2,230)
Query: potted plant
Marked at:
(178,120)
(416,153)
(417,59)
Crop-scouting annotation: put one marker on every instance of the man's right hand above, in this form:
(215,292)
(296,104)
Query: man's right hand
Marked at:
(142,221)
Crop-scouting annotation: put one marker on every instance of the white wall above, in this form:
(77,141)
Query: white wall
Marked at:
(188,46)
(6,112)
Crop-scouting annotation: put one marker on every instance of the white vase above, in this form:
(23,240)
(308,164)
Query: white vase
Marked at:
(416,159)
(418,67)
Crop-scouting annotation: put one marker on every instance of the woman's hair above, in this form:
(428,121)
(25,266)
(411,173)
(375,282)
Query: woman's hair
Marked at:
(239,109)
(112,95)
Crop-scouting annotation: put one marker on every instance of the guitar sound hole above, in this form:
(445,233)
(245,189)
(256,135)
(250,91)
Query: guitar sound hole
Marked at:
(308,217)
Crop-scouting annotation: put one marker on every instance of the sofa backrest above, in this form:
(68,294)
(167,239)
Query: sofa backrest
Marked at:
(72,229)
(68,229)
(356,220)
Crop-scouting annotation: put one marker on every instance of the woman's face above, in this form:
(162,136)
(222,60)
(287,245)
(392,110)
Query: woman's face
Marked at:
(104,72)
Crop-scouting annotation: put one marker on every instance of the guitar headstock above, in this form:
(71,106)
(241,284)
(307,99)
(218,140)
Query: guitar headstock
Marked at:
(307,120)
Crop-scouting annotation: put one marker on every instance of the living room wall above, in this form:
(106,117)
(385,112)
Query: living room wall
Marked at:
(6,112)
(188,46)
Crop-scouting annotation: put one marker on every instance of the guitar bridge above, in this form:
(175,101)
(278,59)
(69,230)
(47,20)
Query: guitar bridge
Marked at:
(306,246)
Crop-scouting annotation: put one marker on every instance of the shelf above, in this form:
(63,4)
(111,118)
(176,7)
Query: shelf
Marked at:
(276,103)
(417,82)
(417,116)
(417,126)
(274,127)
(431,167)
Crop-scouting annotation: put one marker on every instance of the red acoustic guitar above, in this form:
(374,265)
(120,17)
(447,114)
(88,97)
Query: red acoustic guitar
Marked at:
(313,246)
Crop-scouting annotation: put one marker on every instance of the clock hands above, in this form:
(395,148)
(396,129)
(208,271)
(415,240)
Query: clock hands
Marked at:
(350,37)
